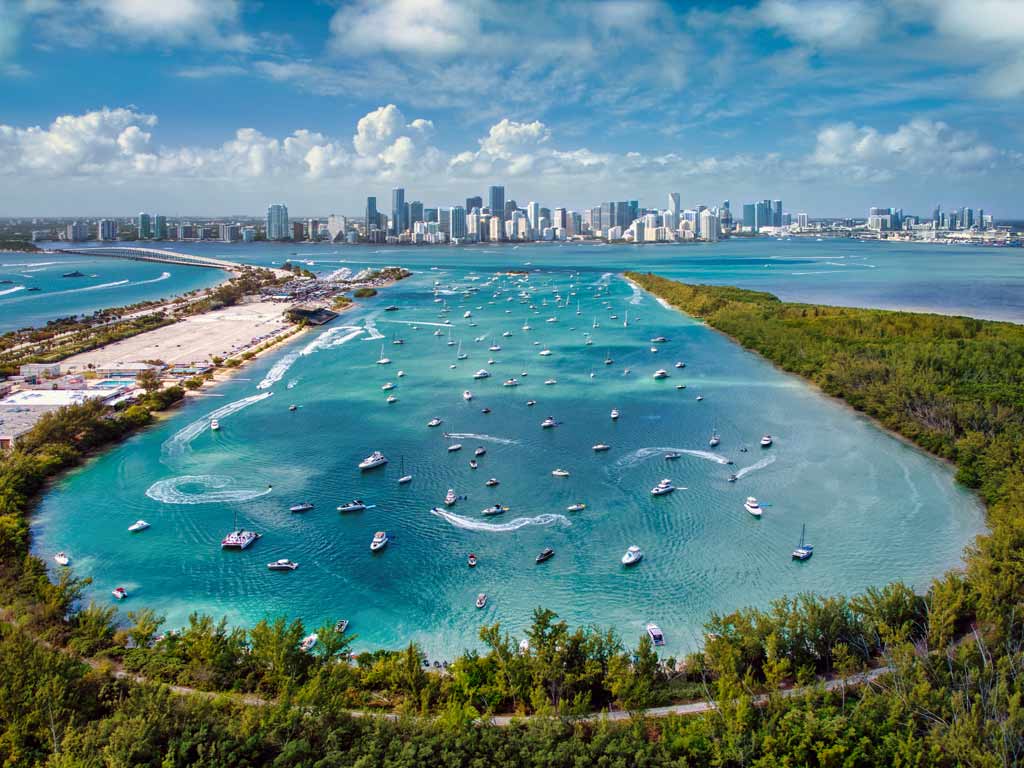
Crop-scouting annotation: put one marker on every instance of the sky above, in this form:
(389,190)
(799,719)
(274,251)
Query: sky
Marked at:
(220,107)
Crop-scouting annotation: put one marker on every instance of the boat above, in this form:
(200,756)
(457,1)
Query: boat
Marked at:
(483,373)
(284,564)
(375,459)
(600,447)
(633,555)
(494,348)
(467,395)
(467,314)
(141,525)
(481,600)
(450,497)
(715,440)
(214,424)
(526,327)
(752,506)
(473,464)
(733,478)
(303,507)
(699,398)
(680,364)
(497,509)
(672,455)
(544,352)
(766,441)
(434,422)
(460,355)
(340,626)
(308,642)
(513,382)
(404,478)
(661,373)
(578,507)
(389,308)
(387,387)
(383,360)
(491,482)
(546,554)
(662,488)
(560,472)
(530,403)
(608,358)
(239,538)
(548,423)
(680,386)
(119,592)
(479,451)
(76,273)
(356,505)
(658,340)
(805,550)
(655,633)
(549,382)
(615,414)
(454,447)
(380,540)
(391,399)
(61,558)
(485,410)
(293,407)
(471,560)
(401,374)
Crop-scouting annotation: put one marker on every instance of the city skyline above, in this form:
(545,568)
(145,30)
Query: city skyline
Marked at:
(168,103)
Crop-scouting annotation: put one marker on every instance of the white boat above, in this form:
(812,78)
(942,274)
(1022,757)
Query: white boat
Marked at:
(138,525)
(598,447)
(391,399)
(305,506)
(654,349)
(550,382)
(401,374)
(481,600)
(661,373)
(494,348)
(467,395)
(576,507)
(388,387)
(548,423)
(383,360)
(454,447)
(340,626)
(450,497)
(633,555)
(491,482)
(434,422)
(467,313)
(658,340)
(714,440)
(752,506)
(61,558)
(479,451)
(805,550)
(527,327)
(656,635)
(766,441)
(461,355)
(119,592)
(560,472)
(239,539)
(545,352)
(284,564)
(615,414)
(699,398)
(380,540)
(357,505)
(513,382)
(375,459)
(662,488)
(214,424)
(506,334)
(497,509)
(404,477)
(680,364)
(308,642)
(483,373)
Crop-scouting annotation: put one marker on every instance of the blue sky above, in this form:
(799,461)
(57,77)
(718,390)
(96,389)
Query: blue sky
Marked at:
(221,106)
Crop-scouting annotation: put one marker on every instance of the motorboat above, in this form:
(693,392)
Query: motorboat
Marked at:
(309,642)
(661,373)
(699,398)
(483,373)
(680,364)
(752,506)
(239,539)
(506,334)
(527,327)
(473,464)
(391,308)
(356,505)
(340,626)
(284,564)
(530,403)
(481,600)
(672,455)
(549,382)
(715,440)
(544,352)
(546,554)
(375,459)
(656,635)
(658,340)
(61,558)
(766,441)
(141,525)
(805,550)
(434,422)
(450,497)
(578,507)
(513,382)
(601,447)
(293,407)
(633,555)
(497,509)
(491,482)
(214,424)
(663,488)
(479,451)
(733,478)
(548,423)
(680,386)
(380,540)
(467,395)
(454,447)
(471,560)
(654,349)
(615,414)
(119,592)
(401,374)
(387,387)
(391,399)
(560,472)
(467,314)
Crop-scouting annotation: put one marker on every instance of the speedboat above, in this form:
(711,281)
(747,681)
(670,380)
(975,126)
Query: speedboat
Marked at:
(805,550)
(530,403)
(549,382)
(479,451)
(497,509)
(615,414)
(485,410)
(214,424)
(546,554)
(340,626)
(662,488)
(380,540)
(671,455)
(752,506)
(766,441)
(656,635)
(544,352)
(661,373)
(633,555)
(239,539)
(473,464)
(454,447)
(450,497)
(401,374)
(680,364)
(467,395)
(548,423)
(120,593)
(658,340)
(481,600)
(141,525)
(434,422)
(375,459)
(733,478)
(388,386)
(715,439)
(513,382)
(601,447)
(284,564)
(293,407)
(61,558)
(356,505)
(578,507)
(560,472)
(308,642)
(491,482)
(471,560)
(391,399)
(699,398)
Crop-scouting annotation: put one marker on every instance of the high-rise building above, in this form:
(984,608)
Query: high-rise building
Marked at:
(277,222)
(371,214)
(398,222)
(230,233)
(312,229)
(533,214)
(430,214)
(159,227)
(674,207)
(709,226)
(444,220)
(106,229)
(802,220)
(76,231)
(776,213)
(496,202)
(415,212)
(298,230)
(474,202)
(145,226)
(750,216)
(457,222)
(560,219)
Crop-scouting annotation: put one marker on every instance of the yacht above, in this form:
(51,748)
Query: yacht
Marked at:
(437,332)
(308,642)
(483,373)
(491,482)
(526,327)
(356,505)
(680,364)
(434,422)
(239,539)
(473,464)
(546,554)
(471,560)
(662,488)
(391,399)
(450,497)
(61,558)
(805,550)
(214,424)
(633,555)
(284,564)
(766,441)
(661,373)
(655,633)
(578,507)
(548,423)
(454,447)
(615,414)
(481,600)
(383,360)
(601,447)
(497,509)
(467,314)
(513,382)
(119,592)
(479,451)
(380,540)
(375,459)
(388,387)
(550,382)
(560,472)
(699,398)
(506,334)
(467,395)
(139,525)
(752,506)
(715,440)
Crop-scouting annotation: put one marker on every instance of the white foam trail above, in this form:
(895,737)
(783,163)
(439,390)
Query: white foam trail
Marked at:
(278,370)
(292,383)
(416,322)
(15,289)
(177,444)
(470,524)
(330,339)
(370,324)
(217,490)
(642,454)
(770,459)
(485,438)
(638,294)
(163,276)
(32,264)
(605,279)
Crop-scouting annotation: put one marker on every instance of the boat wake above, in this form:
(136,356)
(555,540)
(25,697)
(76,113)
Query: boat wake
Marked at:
(178,444)
(753,467)
(605,279)
(638,294)
(417,322)
(470,524)
(277,372)
(292,383)
(327,340)
(209,489)
(484,438)
(15,289)
(643,454)
(370,324)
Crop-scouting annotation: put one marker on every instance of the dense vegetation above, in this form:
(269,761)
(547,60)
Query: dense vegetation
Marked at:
(364,292)
(956,654)
(21,246)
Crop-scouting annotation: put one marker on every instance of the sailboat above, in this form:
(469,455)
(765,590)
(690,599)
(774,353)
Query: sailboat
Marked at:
(383,360)
(625,323)
(461,355)
(404,478)
(804,551)
(451,341)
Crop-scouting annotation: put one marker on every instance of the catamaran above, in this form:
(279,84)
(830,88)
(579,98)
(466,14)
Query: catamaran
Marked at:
(239,538)
(805,550)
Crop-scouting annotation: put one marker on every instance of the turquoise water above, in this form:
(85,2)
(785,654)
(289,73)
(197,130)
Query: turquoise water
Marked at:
(875,508)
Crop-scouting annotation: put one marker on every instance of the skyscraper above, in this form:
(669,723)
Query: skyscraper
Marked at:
(415,212)
(750,216)
(474,202)
(145,226)
(674,207)
(277,222)
(371,213)
(457,222)
(159,227)
(398,222)
(496,202)
(533,214)
(776,213)
(106,229)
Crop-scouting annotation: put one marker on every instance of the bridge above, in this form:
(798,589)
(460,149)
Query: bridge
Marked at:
(156,254)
